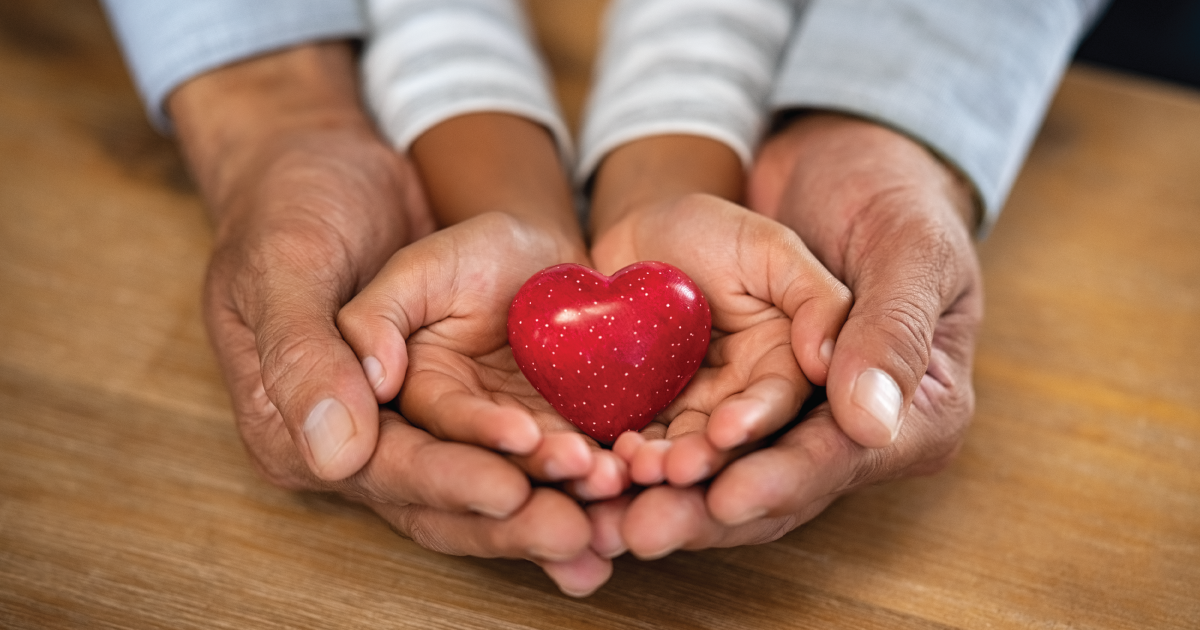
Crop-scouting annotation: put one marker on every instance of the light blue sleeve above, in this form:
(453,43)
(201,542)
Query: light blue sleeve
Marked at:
(167,42)
(971,80)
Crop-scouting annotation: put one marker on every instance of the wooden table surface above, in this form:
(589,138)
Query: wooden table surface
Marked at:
(126,499)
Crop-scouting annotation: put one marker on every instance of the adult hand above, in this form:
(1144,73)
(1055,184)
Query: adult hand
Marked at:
(892,222)
(308,204)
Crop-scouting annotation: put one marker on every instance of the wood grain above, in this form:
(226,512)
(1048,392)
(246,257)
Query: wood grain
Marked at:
(126,500)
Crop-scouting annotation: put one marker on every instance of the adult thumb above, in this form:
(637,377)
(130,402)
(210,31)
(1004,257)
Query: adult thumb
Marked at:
(902,285)
(315,380)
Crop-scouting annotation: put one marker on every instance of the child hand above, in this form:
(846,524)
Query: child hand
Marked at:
(434,321)
(776,315)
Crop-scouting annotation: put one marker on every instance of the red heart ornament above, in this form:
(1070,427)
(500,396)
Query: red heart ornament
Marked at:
(609,353)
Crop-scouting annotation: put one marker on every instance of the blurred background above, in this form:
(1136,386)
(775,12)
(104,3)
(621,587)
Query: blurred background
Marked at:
(1157,38)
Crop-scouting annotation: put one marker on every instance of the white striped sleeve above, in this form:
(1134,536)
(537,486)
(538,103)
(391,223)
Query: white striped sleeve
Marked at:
(431,60)
(695,67)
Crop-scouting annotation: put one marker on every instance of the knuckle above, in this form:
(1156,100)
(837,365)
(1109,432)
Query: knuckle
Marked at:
(289,358)
(839,294)
(873,467)
(948,424)
(411,523)
(931,441)
(908,333)
(351,317)
(379,481)
(366,485)
(418,523)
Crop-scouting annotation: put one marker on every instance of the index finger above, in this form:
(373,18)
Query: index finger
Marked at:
(411,467)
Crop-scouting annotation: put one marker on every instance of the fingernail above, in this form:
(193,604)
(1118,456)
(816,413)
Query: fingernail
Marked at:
(825,354)
(553,470)
(609,473)
(327,429)
(614,552)
(662,553)
(607,542)
(879,396)
(659,445)
(627,444)
(750,417)
(374,371)
(747,516)
(701,474)
(522,441)
(489,511)
(603,473)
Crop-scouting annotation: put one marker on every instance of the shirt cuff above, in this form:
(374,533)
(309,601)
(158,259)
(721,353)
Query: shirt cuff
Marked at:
(695,67)
(167,42)
(971,81)
(428,62)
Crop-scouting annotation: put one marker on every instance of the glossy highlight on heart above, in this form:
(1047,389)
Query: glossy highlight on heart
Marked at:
(609,353)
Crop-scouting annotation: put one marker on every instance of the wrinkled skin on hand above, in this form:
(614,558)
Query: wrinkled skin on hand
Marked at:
(891,221)
(308,205)
(296,238)
(279,276)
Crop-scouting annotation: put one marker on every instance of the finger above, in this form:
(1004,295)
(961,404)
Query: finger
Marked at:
(548,527)
(630,442)
(797,283)
(452,277)
(884,348)
(692,459)
(562,456)
(309,373)
(608,478)
(772,398)
(798,475)
(412,467)
(816,325)
(580,576)
(664,519)
(627,445)
(447,408)
(409,467)
(815,301)
(688,457)
(378,339)
(272,450)
(646,467)
(606,518)
(763,408)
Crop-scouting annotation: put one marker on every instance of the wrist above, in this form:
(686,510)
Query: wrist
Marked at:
(233,120)
(493,162)
(862,161)
(657,171)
